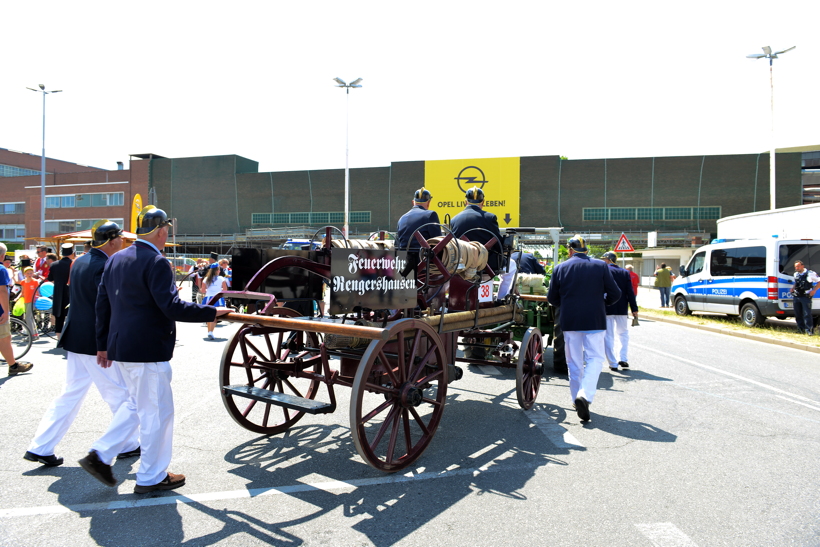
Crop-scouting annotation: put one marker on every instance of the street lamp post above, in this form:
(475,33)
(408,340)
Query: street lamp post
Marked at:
(341,83)
(43,162)
(767,54)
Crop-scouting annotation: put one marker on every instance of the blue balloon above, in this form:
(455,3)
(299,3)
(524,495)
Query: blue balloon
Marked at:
(43,303)
(47,289)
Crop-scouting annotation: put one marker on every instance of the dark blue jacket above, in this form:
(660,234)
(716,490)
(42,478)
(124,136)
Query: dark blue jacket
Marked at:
(578,286)
(59,274)
(78,335)
(529,264)
(413,219)
(472,217)
(138,304)
(624,282)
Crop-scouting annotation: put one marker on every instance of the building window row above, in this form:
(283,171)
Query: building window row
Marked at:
(12,208)
(650,213)
(85,200)
(12,232)
(64,226)
(12,171)
(356,217)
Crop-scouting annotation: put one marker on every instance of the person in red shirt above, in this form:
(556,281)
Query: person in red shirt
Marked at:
(636,279)
(41,265)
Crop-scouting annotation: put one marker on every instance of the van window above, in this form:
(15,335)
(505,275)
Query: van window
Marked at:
(738,261)
(808,253)
(696,264)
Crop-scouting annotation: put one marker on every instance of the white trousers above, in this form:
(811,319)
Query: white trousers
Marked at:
(151,407)
(506,280)
(617,329)
(585,360)
(81,372)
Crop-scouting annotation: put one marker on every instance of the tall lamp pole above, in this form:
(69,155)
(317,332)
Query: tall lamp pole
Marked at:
(43,162)
(341,83)
(767,54)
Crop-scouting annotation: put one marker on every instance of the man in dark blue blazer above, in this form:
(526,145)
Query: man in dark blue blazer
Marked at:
(58,274)
(414,219)
(137,306)
(582,287)
(617,315)
(80,343)
(528,264)
(474,216)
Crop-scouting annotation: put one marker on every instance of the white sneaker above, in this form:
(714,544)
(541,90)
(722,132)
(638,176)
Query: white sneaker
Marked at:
(210,336)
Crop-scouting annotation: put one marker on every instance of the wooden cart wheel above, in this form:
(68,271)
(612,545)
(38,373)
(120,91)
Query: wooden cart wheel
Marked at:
(398,396)
(530,368)
(251,358)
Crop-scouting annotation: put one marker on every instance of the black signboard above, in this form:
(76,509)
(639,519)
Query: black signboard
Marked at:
(365,278)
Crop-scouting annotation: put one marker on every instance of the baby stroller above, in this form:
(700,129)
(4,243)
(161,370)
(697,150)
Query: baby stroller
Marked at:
(42,308)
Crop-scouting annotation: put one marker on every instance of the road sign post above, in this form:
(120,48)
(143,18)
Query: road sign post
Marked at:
(623,246)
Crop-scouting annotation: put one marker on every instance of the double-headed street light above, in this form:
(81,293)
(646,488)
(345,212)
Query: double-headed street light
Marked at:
(43,162)
(767,54)
(341,83)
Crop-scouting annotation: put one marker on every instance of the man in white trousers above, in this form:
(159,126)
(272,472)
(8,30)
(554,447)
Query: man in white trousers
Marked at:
(582,287)
(617,315)
(80,343)
(137,308)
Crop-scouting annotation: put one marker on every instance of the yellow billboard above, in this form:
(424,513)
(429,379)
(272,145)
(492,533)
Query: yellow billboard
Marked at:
(500,178)
(136,207)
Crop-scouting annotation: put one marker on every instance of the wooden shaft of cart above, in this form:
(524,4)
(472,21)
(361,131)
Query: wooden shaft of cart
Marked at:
(306,325)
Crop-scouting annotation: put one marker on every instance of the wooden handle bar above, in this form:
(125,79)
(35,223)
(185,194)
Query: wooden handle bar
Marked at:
(371,333)
(533,297)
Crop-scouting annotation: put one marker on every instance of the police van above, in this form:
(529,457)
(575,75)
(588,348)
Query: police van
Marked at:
(746,277)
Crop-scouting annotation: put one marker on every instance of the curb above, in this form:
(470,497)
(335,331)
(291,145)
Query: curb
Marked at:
(749,336)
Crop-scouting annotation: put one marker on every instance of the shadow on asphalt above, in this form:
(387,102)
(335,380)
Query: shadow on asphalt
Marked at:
(473,450)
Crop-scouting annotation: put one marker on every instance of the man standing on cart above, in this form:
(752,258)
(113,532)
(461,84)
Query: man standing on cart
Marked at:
(421,218)
(582,287)
(474,216)
(419,215)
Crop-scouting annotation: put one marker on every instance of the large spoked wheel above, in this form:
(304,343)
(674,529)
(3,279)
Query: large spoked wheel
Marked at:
(398,396)
(269,359)
(20,338)
(530,368)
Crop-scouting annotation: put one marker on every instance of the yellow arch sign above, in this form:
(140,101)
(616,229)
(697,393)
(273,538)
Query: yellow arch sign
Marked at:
(500,178)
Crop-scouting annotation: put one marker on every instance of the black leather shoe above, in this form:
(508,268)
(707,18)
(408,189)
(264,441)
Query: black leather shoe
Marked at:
(582,408)
(623,364)
(130,454)
(98,469)
(48,461)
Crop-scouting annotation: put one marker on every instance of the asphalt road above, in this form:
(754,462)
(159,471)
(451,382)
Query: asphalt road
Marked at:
(706,440)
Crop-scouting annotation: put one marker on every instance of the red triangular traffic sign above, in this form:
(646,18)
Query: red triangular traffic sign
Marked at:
(623,245)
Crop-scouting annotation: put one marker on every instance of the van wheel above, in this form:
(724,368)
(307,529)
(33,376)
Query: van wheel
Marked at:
(681,307)
(750,315)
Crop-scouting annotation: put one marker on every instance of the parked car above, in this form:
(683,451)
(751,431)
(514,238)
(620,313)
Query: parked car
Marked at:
(746,277)
(300,245)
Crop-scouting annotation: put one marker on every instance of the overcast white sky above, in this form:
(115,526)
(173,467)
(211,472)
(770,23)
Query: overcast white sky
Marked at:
(442,80)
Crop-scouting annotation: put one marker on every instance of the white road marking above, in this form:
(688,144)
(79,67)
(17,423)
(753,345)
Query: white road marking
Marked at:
(797,402)
(555,432)
(326,486)
(725,373)
(665,534)
(488,369)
